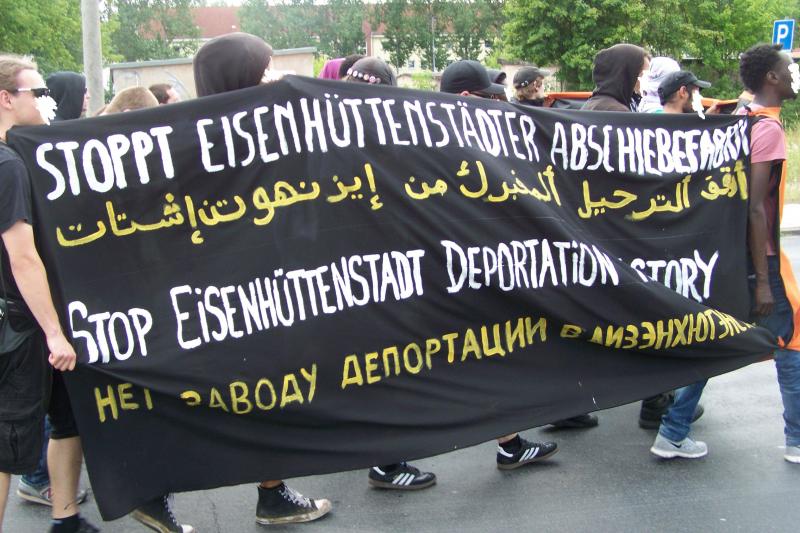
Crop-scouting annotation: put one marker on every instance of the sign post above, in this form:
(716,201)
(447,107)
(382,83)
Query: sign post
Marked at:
(783,33)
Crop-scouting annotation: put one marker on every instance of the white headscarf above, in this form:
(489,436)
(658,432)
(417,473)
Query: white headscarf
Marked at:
(659,67)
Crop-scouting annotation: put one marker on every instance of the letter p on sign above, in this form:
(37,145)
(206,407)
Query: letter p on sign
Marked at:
(783,33)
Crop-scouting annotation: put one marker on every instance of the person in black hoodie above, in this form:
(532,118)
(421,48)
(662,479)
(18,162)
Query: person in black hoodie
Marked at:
(228,63)
(616,74)
(68,89)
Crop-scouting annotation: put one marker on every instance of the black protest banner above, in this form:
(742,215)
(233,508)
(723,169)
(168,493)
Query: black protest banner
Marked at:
(313,276)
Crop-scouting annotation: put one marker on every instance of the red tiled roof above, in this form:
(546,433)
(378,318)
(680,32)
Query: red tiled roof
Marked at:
(216,21)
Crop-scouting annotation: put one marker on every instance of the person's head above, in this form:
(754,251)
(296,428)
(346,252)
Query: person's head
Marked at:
(165,93)
(371,70)
(21,92)
(330,70)
(347,63)
(497,76)
(616,71)
(529,83)
(679,92)
(469,78)
(769,73)
(652,78)
(68,89)
(230,62)
(131,99)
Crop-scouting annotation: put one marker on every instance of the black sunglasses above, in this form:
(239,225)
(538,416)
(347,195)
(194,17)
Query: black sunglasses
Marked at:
(37,92)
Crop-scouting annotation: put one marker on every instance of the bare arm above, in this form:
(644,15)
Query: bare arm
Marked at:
(29,273)
(757,233)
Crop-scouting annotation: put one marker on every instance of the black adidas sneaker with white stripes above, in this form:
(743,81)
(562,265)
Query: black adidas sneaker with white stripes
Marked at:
(402,477)
(528,452)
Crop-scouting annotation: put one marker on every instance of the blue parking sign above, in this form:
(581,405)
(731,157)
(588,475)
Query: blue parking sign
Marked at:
(783,33)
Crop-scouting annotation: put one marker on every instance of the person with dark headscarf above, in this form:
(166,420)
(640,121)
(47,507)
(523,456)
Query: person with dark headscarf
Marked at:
(616,74)
(330,71)
(68,89)
(371,70)
(228,63)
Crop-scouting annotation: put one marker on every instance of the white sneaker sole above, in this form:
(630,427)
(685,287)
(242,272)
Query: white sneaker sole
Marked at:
(672,454)
(323,509)
(792,458)
(155,525)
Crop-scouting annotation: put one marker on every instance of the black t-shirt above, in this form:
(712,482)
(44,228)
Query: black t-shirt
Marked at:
(15,205)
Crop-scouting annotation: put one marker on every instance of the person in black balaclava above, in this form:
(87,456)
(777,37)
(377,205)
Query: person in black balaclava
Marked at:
(616,74)
(228,63)
(68,89)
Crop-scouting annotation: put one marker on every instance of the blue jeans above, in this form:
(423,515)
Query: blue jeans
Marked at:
(677,421)
(675,425)
(39,478)
(787,362)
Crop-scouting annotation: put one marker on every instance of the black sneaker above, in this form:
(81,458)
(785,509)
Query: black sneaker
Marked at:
(528,452)
(157,515)
(84,527)
(404,477)
(284,505)
(577,422)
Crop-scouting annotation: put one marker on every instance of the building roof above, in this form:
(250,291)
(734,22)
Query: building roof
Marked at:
(215,21)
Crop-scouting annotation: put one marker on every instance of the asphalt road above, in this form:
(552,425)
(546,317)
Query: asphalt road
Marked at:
(602,480)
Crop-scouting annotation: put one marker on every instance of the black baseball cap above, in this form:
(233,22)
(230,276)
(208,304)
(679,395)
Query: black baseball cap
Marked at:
(468,75)
(496,75)
(528,75)
(673,81)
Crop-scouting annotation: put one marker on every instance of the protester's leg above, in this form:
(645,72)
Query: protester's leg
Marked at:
(5,480)
(64,458)
(787,363)
(677,422)
(280,504)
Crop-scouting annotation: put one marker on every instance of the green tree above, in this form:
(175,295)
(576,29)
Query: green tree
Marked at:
(288,24)
(473,25)
(152,29)
(570,32)
(340,31)
(719,30)
(399,40)
(49,30)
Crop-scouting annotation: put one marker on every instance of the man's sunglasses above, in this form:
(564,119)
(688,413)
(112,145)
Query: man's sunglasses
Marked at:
(37,92)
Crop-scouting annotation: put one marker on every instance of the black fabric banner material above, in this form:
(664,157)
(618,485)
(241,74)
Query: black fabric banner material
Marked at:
(313,276)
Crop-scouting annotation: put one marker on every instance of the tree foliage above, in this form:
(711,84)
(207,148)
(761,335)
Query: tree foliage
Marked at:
(49,30)
(705,35)
(152,29)
(439,31)
(334,28)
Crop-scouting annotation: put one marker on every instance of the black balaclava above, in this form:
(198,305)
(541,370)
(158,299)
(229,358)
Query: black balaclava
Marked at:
(230,62)
(616,70)
(68,90)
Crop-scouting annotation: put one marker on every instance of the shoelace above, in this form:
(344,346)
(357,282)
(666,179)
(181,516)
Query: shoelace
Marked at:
(168,507)
(295,497)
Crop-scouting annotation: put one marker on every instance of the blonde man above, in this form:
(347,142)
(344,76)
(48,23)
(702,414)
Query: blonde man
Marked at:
(25,376)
